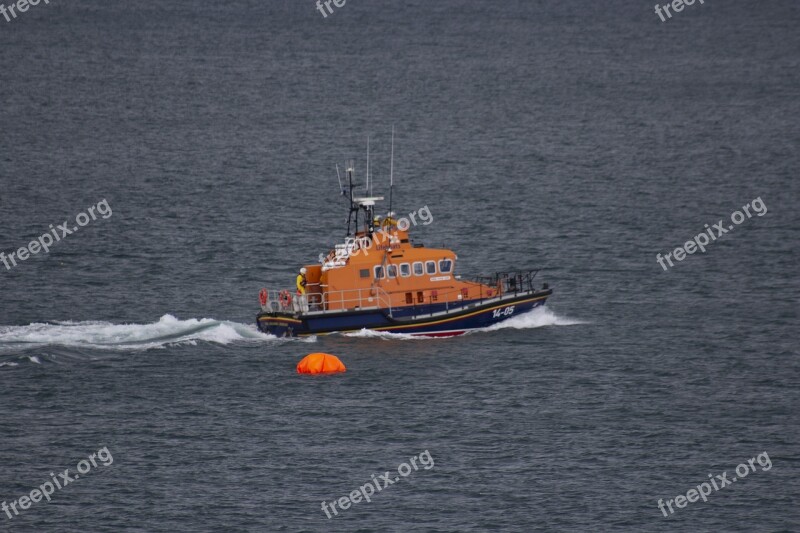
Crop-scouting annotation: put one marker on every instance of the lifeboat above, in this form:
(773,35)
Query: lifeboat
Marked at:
(380,279)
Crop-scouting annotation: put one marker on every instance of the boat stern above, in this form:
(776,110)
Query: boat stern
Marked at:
(279,325)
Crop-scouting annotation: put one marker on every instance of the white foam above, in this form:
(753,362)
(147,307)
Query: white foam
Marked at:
(167,331)
(385,335)
(171,331)
(537,318)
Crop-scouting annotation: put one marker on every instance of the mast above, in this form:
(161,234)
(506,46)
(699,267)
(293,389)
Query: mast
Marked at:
(367,202)
(391,175)
(353,205)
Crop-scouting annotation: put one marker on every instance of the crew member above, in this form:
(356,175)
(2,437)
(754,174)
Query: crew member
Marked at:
(301,282)
(301,290)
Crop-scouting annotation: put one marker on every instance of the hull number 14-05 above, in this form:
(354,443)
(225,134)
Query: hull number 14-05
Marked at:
(503,312)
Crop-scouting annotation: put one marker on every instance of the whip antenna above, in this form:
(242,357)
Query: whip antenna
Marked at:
(391,175)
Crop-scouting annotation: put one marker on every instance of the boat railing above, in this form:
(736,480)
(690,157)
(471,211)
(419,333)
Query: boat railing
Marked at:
(481,290)
(318,300)
(283,300)
(514,281)
(455,299)
(351,299)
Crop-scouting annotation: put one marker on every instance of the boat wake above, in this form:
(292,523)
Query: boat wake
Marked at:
(167,331)
(537,318)
(171,331)
(371,334)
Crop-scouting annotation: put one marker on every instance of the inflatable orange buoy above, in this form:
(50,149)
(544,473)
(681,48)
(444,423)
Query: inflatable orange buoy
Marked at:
(320,363)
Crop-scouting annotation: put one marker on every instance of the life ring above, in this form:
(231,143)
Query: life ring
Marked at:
(285,298)
(262,297)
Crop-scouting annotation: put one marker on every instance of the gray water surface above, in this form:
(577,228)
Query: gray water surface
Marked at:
(582,138)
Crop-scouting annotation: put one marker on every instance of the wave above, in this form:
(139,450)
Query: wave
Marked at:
(105,335)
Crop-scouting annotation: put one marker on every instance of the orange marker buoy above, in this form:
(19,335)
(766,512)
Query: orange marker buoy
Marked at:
(320,363)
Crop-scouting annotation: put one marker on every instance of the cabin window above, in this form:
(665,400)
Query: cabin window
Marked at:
(409,298)
(391,270)
(379,272)
(418,268)
(445,266)
(430,267)
(364,272)
(405,270)
(420,296)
